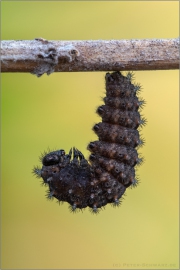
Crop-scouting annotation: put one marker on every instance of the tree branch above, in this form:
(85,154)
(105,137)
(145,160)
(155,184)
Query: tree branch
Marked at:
(41,56)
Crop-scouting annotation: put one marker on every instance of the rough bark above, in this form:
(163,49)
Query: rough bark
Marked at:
(41,56)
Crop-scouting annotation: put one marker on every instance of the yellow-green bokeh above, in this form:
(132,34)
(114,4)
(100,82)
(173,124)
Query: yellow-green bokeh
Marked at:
(58,111)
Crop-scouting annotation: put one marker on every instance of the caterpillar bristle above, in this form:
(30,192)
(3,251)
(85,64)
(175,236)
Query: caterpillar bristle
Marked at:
(140,161)
(94,210)
(49,195)
(135,182)
(43,183)
(60,202)
(116,203)
(73,208)
(141,143)
(137,88)
(142,103)
(143,122)
(43,154)
(37,172)
(130,76)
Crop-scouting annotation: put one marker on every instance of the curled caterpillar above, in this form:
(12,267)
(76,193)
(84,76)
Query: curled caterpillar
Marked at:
(111,167)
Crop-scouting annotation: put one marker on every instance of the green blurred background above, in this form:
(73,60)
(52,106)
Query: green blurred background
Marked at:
(58,111)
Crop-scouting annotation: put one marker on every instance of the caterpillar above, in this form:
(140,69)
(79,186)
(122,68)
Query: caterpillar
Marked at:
(111,167)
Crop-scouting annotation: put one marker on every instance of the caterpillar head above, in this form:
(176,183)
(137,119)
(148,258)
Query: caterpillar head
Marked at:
(53,158)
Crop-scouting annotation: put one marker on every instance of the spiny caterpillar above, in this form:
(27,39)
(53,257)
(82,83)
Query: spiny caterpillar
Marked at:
(111,166)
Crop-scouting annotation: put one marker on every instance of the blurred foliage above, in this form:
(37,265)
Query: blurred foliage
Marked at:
(58,111)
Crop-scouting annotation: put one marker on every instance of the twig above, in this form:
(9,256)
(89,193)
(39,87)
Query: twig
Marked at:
(41,56)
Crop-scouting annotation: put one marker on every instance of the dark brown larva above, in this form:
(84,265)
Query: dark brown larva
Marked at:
(113,158)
